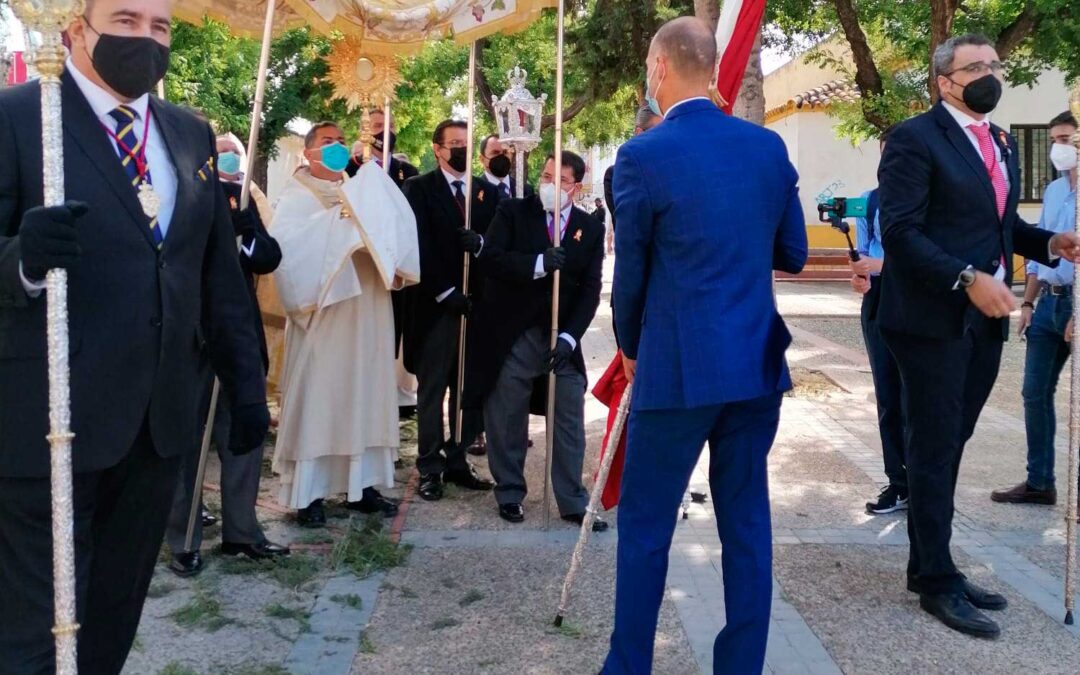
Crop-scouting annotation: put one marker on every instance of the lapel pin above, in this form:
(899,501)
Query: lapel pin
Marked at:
(577,236)
(232,203)
(480,197)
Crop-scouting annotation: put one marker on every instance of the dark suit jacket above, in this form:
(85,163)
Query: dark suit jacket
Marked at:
(399,171)
(438,219)
(135,313)
(939,215)
(609,196)
(514,301)
(601,215)
(264,259)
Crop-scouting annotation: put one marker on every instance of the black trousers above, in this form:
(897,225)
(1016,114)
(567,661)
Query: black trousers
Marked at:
(945,385)
(887,390)
(120,515)
(436,372)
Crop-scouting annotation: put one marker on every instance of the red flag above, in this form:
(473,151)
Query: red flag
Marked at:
(609,390)
(736,31)
(17,69)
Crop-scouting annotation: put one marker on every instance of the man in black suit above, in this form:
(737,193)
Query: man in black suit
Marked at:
(399,171)
(600,213)
(950,182)
(646,119)
(146,287)
(436,305)
(241,533)
(498,161)
(513,348)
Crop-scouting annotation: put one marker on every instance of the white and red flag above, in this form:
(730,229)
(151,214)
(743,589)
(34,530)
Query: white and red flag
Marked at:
(736,31)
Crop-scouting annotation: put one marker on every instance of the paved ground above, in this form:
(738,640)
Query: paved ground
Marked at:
(476,595)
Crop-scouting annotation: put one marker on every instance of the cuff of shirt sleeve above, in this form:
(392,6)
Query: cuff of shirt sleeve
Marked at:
(569,340)
(481,249)
(445,294)
(33,288)
(538,270)
(248,250)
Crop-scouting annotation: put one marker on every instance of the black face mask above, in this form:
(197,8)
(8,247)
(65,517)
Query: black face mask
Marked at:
(499,166)
(378,142)
(458,159)
(131,66)
(982,95)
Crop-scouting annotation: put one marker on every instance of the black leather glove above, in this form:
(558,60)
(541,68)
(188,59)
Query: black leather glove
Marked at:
(243,221)
(247,431)
(560,356)
(48,238)
(471,242)
(554,259)
(457,303)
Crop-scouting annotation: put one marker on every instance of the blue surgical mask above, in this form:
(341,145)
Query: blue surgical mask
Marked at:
(650,99)
(228,162)
(335,157)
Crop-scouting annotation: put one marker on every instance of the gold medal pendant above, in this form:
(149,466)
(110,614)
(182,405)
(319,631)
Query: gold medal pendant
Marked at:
(149,200)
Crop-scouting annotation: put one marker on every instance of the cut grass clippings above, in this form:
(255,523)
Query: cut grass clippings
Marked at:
(367,548)
(175,668)
(350,600)
(471,597)
(202,611)
(291,571)
(301,616)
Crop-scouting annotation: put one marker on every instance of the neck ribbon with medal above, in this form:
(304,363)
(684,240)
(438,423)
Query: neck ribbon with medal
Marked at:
(148,199)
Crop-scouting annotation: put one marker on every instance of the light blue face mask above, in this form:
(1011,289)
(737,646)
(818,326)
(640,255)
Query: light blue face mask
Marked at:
(335,157)
(650,99)
(228,162)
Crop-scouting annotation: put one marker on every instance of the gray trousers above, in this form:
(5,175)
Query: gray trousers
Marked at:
(506,416)
(239,490)
(435,373)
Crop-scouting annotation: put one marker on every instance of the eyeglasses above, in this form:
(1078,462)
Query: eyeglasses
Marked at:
(979,68)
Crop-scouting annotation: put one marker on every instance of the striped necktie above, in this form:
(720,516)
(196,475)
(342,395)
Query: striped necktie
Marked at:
(130,147)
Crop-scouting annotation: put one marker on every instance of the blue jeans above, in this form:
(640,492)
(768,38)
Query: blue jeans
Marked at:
(1047,352)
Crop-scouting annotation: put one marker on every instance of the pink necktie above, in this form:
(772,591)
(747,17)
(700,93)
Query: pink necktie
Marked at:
(997,178)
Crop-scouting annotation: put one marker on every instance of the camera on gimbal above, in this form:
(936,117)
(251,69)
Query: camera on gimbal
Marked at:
(834,210)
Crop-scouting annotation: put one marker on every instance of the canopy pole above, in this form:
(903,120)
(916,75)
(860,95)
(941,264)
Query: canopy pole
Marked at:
(1074,407)
(468,226)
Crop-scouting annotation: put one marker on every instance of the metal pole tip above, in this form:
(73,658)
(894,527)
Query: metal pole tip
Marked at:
(558,620)
(1068,618)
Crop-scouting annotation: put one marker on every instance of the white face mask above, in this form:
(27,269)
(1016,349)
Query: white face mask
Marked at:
(1063,156)
(547,197)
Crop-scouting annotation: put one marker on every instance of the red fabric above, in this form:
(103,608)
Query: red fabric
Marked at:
(609,390)
(997,177)
(17,70)
(733,60)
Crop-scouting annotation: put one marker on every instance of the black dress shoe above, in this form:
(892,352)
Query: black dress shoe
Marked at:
(598,523)
(186,564)
(406,412)
(312,516)
(374,502)
(512,513)
(954,610)
(467,478)
(479,446)
(208,519)
(431,487)
(262,550)
(984,599)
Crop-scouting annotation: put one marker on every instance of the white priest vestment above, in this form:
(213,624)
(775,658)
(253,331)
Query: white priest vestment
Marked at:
(344,247)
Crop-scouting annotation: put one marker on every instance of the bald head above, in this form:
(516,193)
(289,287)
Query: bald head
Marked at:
(688,47)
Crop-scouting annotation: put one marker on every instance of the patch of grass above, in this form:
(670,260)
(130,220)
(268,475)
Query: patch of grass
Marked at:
(279,611)
(258,669)
(177,668)
(335,638)
(488,663)
(315,537)
(444,622)
(159,589)
(471,597)
(292,571)
(366,645)
(449,582)
(350,600)
(366,548)
(409,593)
(202,611)
(568,629)
(137,645)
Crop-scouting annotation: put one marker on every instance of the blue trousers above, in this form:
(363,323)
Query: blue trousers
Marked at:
(1047,352)
(662,449)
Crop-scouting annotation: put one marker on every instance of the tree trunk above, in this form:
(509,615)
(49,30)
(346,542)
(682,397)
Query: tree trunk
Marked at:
(750,102)
(708,11)
(942,13)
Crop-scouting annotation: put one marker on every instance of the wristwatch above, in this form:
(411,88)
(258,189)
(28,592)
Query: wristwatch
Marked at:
(967,277)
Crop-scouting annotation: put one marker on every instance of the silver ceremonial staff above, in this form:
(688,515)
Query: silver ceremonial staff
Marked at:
(1074,403)
(245,198)
(49,18)
(460,386)
(594,501)
(556,236)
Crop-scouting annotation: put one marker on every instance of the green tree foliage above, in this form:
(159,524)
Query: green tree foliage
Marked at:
(1032,36)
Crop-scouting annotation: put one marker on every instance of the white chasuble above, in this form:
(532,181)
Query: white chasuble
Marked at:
(338,428)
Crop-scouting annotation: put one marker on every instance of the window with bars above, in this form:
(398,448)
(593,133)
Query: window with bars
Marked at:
(1036,171)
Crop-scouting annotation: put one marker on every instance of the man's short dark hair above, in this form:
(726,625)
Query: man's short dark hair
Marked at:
(1064,118)
(690,47)
(574,161)
(487,139)
(440,131)
(645,118)
(946,51)
(309,137)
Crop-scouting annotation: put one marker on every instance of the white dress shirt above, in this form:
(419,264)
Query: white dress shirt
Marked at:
(539,272)
(450,180)
(505,180)
(162,172)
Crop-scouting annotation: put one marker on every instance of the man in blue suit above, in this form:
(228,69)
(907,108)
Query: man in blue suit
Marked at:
(707,207)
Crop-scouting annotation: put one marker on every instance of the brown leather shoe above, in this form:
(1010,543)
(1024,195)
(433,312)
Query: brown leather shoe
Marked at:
(1024,494)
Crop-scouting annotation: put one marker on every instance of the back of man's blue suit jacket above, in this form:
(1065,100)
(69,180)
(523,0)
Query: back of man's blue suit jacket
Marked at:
(707,207)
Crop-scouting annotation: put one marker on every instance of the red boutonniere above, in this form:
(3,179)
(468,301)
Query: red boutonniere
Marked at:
(577,236)
(1004,138)
(480,197)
